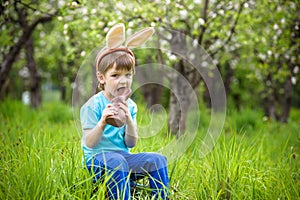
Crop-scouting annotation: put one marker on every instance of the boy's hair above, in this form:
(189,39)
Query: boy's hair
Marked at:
(123,59)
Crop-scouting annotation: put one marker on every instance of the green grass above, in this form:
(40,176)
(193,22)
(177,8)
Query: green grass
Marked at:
(41,157)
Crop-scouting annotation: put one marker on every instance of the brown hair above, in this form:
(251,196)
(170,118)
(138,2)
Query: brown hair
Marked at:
(123,58)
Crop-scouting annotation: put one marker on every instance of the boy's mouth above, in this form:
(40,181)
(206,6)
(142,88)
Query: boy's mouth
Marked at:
(124,91)
(120,90)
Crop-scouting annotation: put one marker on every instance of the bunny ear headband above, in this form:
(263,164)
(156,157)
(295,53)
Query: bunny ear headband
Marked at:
(116,36)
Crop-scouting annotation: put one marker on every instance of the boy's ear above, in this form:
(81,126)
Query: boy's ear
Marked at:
(100,78)
(115,36)
(139,38)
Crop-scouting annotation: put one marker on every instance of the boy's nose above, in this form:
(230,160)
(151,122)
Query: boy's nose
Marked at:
(123,79)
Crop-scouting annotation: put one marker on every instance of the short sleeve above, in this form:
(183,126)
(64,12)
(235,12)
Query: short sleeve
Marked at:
(89,115)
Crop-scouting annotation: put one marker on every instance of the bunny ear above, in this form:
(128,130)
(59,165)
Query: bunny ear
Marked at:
(115,36)
(139,38)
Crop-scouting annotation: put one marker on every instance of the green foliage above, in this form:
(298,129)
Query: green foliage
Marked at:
(264,41)
(245,120)
(270,48)
(57,113)
(41,158)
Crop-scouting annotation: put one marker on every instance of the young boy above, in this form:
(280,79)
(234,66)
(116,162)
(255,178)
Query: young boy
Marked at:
(106,147)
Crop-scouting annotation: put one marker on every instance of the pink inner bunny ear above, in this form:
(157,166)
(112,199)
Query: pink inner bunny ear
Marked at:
(115,36)
(139,38)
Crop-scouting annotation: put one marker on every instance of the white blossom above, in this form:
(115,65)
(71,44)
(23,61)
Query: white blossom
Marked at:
(84,35)
(215,61)
(191,7)
(204,64)
(201,21)
(286,56)
(111,23)
(74,3)
(296,70)
(120,5)
(294,80)
(262,56)
(93,26)
(130,24)
(265,118)
(42,34)
(183,14)
(106,29)
(84,11)
(172,57)
(100,24)
(221,12)
(279,31)
(24,72)
(213,15)
(73,85)
(61,3)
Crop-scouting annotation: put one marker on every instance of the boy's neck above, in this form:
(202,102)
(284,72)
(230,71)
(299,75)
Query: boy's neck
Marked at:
(107,95)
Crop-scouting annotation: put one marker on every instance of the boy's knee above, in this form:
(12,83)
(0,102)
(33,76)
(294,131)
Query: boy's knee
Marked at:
(116,162)
(159,158)
(156,161)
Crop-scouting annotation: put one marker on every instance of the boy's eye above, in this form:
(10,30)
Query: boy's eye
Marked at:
(114,75)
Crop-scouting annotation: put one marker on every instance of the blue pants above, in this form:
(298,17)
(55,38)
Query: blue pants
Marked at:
(118,166)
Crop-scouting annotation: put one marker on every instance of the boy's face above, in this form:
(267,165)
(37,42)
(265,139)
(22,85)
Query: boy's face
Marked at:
(115,79)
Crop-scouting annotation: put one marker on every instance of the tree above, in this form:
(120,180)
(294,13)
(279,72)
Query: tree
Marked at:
(18,25)
(186,20)
(274,50)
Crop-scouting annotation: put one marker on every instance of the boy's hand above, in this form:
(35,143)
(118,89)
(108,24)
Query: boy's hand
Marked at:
(110,110)
(124,106)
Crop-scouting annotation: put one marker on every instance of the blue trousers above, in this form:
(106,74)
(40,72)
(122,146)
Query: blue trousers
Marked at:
(122,167)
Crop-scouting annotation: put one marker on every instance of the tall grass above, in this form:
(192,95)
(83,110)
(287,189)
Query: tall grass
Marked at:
(41,158)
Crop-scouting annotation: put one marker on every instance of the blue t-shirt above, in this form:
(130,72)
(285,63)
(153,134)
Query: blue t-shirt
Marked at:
(112,137)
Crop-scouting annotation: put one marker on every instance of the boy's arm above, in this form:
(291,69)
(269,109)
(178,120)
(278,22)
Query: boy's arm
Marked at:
(94,135)
(131,135)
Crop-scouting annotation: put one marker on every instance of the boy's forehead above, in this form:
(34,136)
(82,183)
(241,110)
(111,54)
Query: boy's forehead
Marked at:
(114,69)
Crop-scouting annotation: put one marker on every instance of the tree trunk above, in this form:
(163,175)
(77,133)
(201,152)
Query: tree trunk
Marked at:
(179,106)
(63,93)
(286,100)
(35,79)
(229,73)
(152,94)
(151,80)
(179,101)
(270,107)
